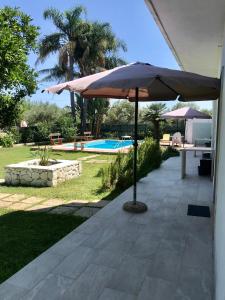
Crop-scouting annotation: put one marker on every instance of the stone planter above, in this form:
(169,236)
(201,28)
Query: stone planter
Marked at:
(30,173)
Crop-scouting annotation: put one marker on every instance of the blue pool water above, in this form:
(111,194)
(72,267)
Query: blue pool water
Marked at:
(104,144)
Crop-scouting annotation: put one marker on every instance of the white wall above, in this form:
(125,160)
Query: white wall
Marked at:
(220,198)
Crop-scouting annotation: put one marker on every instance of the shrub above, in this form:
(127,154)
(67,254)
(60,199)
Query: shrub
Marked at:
(169,152)
(65,125)
(6,139)
(119,175)
(16,134)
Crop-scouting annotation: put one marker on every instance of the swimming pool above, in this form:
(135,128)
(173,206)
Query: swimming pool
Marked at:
(99,145)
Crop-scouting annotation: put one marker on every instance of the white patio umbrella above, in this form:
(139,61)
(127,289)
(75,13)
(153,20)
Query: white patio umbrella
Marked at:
(142,82)
(185,113)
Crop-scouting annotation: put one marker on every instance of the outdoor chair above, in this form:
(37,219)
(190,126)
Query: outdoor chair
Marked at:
(165,140)
(177,139)
(55,138)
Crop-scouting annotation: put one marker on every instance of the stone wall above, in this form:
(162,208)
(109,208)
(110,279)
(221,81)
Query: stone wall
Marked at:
(30,173)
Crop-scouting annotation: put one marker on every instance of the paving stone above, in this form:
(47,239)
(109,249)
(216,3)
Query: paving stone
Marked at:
(53,202)
(157,289)
(99,204)
(39,208)
(5,204)
(64,210)
(35,271)
(11,292)
(90,284)
(75,263)
(32,200)
(87,157)
(3,195)
(86,212)
(52,287)
(98,161)
(19,206)
(112,294)
(14,198)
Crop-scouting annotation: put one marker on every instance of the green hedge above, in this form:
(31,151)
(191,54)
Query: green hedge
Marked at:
(119,175)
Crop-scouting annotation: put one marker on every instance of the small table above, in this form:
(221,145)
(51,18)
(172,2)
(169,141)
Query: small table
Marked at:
(183,156)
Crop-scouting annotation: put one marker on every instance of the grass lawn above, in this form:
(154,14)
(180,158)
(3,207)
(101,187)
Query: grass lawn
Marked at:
(25,235)
(86,187)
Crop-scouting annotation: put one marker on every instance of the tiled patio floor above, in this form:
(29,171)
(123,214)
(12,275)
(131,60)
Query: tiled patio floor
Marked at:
(162,254)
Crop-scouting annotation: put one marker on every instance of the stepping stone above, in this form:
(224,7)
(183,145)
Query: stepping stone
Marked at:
(2,180)
(64,210)
(77,202)
(53,202)
(99,204)
(14,198)
(32,200)
(5,204)
(19,206)
(98,161)
(86,212)
(3,195)
(39,208)
(87,157)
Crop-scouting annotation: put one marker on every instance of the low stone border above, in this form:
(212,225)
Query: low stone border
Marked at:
(30,173)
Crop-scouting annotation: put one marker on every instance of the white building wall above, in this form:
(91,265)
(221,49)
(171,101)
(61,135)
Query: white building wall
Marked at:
(220,198)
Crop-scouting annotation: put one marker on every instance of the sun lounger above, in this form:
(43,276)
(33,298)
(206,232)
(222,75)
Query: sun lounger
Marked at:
(165,140)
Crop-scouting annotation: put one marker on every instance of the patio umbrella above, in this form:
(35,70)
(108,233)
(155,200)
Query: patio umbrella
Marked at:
(142,82)
(185,113)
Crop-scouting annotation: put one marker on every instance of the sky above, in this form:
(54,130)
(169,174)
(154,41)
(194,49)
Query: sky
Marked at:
(131,21)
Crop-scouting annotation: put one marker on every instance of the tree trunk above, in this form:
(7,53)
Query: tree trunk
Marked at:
(84,120)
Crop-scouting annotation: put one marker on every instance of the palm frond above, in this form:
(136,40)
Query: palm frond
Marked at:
(56,16)
(48,45)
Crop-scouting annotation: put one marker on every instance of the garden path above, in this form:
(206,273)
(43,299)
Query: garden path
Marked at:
(83,208)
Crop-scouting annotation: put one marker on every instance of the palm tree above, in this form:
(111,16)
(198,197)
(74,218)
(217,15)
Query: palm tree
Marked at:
(152,114)
(100,52)
(66,42)
(83,48)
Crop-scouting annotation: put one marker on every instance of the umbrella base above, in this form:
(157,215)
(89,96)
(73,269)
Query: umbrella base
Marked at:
(137,208)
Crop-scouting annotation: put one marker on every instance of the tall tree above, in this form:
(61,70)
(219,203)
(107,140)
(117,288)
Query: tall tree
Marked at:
(84,47)
(100,52)
(17,80)
(152,114)
(121,112)
(66,42)
(97,109)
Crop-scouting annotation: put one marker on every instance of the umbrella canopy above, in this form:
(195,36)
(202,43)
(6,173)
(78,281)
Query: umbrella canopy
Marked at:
(154,84)
(145,82)
(185,113)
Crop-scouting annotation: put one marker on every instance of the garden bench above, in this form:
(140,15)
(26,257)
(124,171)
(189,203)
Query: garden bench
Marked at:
(55,138)
(86,137)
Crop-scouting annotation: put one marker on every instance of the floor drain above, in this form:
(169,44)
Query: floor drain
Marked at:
(198,211)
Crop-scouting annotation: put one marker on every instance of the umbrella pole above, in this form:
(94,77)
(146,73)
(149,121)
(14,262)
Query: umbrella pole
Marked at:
(135,206)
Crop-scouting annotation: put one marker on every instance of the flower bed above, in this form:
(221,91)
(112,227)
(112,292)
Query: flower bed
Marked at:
(30,173)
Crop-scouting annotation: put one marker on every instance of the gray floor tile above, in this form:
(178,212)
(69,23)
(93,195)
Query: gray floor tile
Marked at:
(194,284)
(90,285)
(68,244)
(157,289)
(110,294)
(130,276)
(75,263)
(11,292)
(52,287)
(35,271)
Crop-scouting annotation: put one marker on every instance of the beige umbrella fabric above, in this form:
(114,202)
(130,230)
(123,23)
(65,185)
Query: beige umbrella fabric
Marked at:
(144,82)
(154,83)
